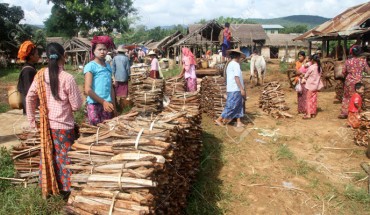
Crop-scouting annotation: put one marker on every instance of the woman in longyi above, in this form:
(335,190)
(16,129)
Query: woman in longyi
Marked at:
(59,97)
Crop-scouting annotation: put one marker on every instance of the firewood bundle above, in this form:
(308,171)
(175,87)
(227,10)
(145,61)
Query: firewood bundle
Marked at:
(362,134)
(174,85)
(135,164)
(339,90)
(147,95)
(272,101)
(213,92)
(366,96)
(26,157)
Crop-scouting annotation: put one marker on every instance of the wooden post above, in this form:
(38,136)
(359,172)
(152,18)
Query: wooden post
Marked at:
(345,47)
(323,48)
(327,48)
(309,48)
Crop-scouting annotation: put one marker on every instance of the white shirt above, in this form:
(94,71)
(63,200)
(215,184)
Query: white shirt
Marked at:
(233,70)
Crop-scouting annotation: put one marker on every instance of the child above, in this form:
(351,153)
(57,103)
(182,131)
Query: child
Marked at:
(354,107)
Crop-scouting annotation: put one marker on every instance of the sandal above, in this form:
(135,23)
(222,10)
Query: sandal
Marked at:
(306,117)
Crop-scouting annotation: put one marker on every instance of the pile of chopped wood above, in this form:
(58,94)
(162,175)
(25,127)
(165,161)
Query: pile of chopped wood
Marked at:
(174,85)
(362,134)
(366,96)
(213,92)
(26,158)
(272,101)
(135,164)
(147,95)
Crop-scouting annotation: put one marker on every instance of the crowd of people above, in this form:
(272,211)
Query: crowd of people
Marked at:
(308,84)
(56,94)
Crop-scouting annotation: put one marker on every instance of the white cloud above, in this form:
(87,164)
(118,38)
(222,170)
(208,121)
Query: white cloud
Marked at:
(169,12)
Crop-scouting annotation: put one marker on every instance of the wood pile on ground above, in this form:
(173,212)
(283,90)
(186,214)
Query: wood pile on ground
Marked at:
(272,101)
(137,164)
(26,158)
(147,95)
(213,90)
(362,134)
(366,96)
(174,85)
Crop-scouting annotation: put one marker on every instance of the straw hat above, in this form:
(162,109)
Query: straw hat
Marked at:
(152,53)
(121,49)
(242,55)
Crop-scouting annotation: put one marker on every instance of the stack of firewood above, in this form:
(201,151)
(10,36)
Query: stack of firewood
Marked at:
(213,92)
(174,85)
(362,134)
(147,95)
(272,101)
(137,164)
(26,157)
(366,96)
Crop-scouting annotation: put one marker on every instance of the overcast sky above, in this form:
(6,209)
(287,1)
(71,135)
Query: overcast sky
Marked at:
(169,12)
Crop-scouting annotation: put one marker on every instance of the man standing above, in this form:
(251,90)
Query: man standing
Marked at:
(121,73)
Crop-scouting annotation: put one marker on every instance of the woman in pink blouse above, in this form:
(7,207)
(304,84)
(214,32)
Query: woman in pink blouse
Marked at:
(59,97)
(188,70)
(313,83)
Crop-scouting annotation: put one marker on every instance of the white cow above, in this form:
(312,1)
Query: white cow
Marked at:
(258,63)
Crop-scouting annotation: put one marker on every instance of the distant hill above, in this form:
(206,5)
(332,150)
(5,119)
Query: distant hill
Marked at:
(310,21)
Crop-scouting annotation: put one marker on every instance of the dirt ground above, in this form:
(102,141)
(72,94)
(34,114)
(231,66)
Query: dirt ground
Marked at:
(289,166)
(284,166)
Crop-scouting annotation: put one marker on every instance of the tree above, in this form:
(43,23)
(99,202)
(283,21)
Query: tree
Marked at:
(61,23)
(105,15)
(294,29)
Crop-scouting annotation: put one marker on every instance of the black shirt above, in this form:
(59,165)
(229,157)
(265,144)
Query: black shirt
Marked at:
(26,77)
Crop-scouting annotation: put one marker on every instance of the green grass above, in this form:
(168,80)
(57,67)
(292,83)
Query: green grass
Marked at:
(6,168)
(207,195)
(80,115)
(245,66)
(283,67)
(20,200)
(9,75)
(4,107)
(284,152)
(358,195)
(172,72)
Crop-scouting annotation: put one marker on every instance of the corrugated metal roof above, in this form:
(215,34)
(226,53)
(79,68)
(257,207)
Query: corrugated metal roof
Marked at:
(354,20)
(272,27)
(284,40)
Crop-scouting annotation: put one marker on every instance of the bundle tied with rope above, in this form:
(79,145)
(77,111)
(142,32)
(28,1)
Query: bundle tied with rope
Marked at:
(213,92)
(135,164)
(147,95)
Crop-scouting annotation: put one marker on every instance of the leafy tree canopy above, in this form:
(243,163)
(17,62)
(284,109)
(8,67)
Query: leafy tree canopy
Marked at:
(105,15)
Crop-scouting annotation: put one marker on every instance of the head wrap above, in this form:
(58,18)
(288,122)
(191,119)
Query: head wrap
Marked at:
(25,49)
(187,53)
(106,40)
